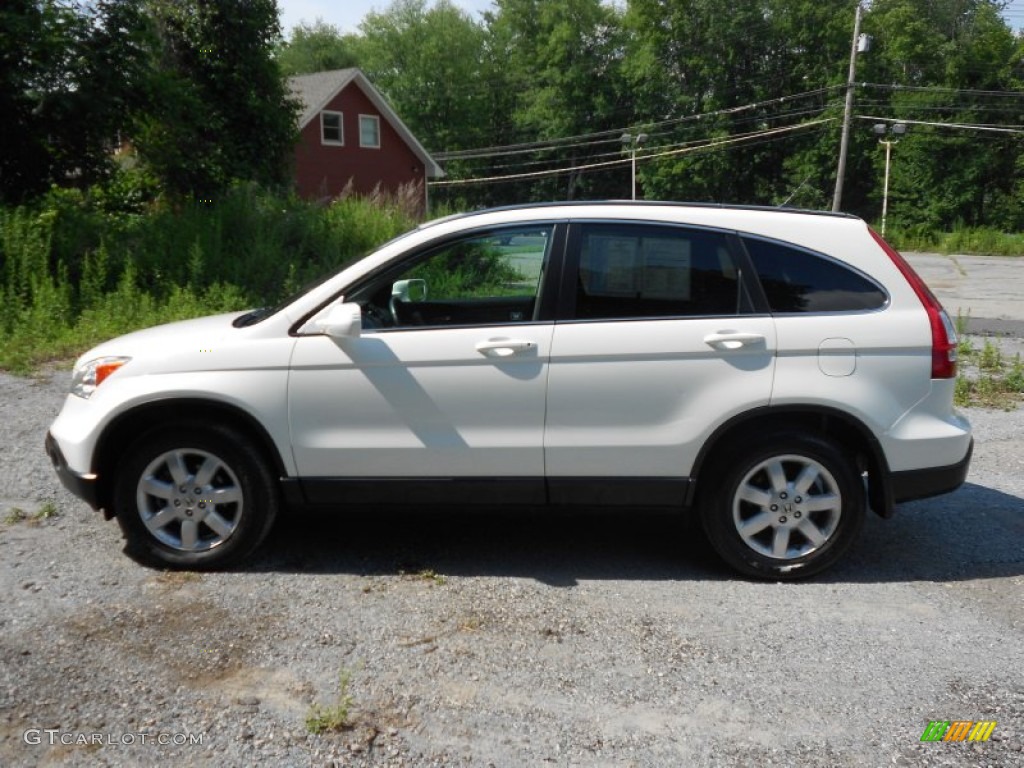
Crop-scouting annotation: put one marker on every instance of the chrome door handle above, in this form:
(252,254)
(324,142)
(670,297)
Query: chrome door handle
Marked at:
(733,339)
(503,347)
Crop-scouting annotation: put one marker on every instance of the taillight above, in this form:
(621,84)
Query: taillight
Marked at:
(943,332)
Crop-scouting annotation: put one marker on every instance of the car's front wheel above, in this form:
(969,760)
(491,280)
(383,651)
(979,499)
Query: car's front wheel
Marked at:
(193,497)
(784,507)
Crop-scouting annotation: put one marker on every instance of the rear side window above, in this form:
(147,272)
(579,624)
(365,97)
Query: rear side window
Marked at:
(795,280)
(640,270)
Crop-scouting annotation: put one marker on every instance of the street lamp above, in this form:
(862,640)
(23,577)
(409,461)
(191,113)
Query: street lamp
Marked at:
(633,142)
(898,130)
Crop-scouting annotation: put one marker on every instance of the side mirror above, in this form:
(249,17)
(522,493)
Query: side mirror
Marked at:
(342,321)
(414,289)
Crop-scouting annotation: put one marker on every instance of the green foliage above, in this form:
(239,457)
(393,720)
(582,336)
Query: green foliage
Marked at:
(427,62)
(335,717)
(980,240)
(219,109)
(316,47)
(73,274)
(69,77)
(987,378)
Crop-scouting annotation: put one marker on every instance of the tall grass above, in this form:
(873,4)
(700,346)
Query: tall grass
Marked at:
(976,240)
(73,273)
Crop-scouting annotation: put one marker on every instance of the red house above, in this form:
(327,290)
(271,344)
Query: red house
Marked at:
(350,137)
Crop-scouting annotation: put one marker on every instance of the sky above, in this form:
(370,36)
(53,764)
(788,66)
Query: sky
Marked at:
(347,14)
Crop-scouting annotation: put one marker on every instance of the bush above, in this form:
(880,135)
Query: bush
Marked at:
(77,268)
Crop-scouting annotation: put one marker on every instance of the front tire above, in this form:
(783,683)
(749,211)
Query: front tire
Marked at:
(785,507)
(195,497)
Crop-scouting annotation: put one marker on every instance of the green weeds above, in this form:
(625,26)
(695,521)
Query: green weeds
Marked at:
(978,240)
(335,717)
(987,378)
(74,273)
(18,515)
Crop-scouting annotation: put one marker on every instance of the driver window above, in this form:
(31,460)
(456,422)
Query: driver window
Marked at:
(486,279)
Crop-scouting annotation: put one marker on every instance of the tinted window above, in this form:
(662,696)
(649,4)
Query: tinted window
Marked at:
(650,271)
(492,278)
(799,281)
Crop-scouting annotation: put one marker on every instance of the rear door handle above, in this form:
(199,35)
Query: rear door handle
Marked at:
(504,347)
(733,340)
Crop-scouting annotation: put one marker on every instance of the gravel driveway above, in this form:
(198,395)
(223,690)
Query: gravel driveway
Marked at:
(516,641)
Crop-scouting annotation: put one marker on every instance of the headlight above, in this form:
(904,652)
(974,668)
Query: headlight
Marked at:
(89,376)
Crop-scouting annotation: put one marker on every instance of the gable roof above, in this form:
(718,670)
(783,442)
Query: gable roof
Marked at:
(316,91)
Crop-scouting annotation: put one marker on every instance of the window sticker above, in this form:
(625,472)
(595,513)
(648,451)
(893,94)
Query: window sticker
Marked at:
(645,268)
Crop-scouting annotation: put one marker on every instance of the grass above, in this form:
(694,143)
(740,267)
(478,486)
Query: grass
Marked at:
(428,575)
(975,240)
(18,515)
(73,274)
(987,378)
(335,717)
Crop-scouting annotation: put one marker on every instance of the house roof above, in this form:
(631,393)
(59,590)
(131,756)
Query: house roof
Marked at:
(316,91)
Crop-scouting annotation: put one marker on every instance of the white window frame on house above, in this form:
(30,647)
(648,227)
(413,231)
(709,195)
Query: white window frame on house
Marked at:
(376,121)
(339,142)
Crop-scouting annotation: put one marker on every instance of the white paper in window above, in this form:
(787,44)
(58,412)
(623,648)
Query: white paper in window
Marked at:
(666,273)
(611,267)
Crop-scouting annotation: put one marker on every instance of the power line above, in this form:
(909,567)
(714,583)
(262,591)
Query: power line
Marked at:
(956,126)
(941,89)
(711,144)
(616,132)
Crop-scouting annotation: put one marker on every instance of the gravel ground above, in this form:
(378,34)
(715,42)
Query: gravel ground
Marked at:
(509,641)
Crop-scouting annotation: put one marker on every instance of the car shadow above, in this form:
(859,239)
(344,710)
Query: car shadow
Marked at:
(977,532)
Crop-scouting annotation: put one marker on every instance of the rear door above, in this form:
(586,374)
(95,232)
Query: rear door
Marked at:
(656,344)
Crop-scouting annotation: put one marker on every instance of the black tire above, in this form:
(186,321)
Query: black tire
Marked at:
(193,496)
(783,507)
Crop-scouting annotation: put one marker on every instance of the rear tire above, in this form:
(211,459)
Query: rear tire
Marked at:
(785,507)
(193,496)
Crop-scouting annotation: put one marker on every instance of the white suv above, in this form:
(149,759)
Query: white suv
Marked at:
(777,371)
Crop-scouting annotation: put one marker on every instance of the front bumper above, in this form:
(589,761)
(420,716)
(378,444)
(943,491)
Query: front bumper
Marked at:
(914,484)
(84,487)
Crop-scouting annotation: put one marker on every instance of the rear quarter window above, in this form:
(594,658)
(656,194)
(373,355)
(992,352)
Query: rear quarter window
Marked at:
(795,280)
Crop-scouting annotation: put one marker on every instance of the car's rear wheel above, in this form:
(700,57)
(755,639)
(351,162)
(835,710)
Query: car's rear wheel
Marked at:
(784,507)
(193,497)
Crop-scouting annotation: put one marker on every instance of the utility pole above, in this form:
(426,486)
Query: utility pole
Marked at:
(897,130)
(633,143)
(844,142)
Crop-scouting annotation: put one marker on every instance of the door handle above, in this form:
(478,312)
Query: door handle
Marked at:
(733,339)
(503,347)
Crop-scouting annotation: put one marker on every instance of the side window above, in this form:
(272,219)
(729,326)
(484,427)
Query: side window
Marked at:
(331,131)
(795,280)
(639,270)
(487,279)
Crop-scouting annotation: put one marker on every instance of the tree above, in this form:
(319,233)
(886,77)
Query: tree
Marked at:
(563,66)
(427,62)
(219,109)
(701,74)
(951,61)
(68,84)
(317,47)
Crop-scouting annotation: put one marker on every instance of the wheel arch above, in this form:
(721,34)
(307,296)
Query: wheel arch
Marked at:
(130,424)
(847,431)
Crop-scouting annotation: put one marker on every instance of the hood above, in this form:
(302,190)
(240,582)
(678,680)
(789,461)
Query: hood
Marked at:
(165,340)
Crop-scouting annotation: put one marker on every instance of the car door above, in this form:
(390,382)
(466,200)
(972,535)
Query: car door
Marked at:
(442,395)
(656,344)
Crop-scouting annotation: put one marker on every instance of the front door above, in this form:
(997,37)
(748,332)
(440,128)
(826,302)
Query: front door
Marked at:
(447,380)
